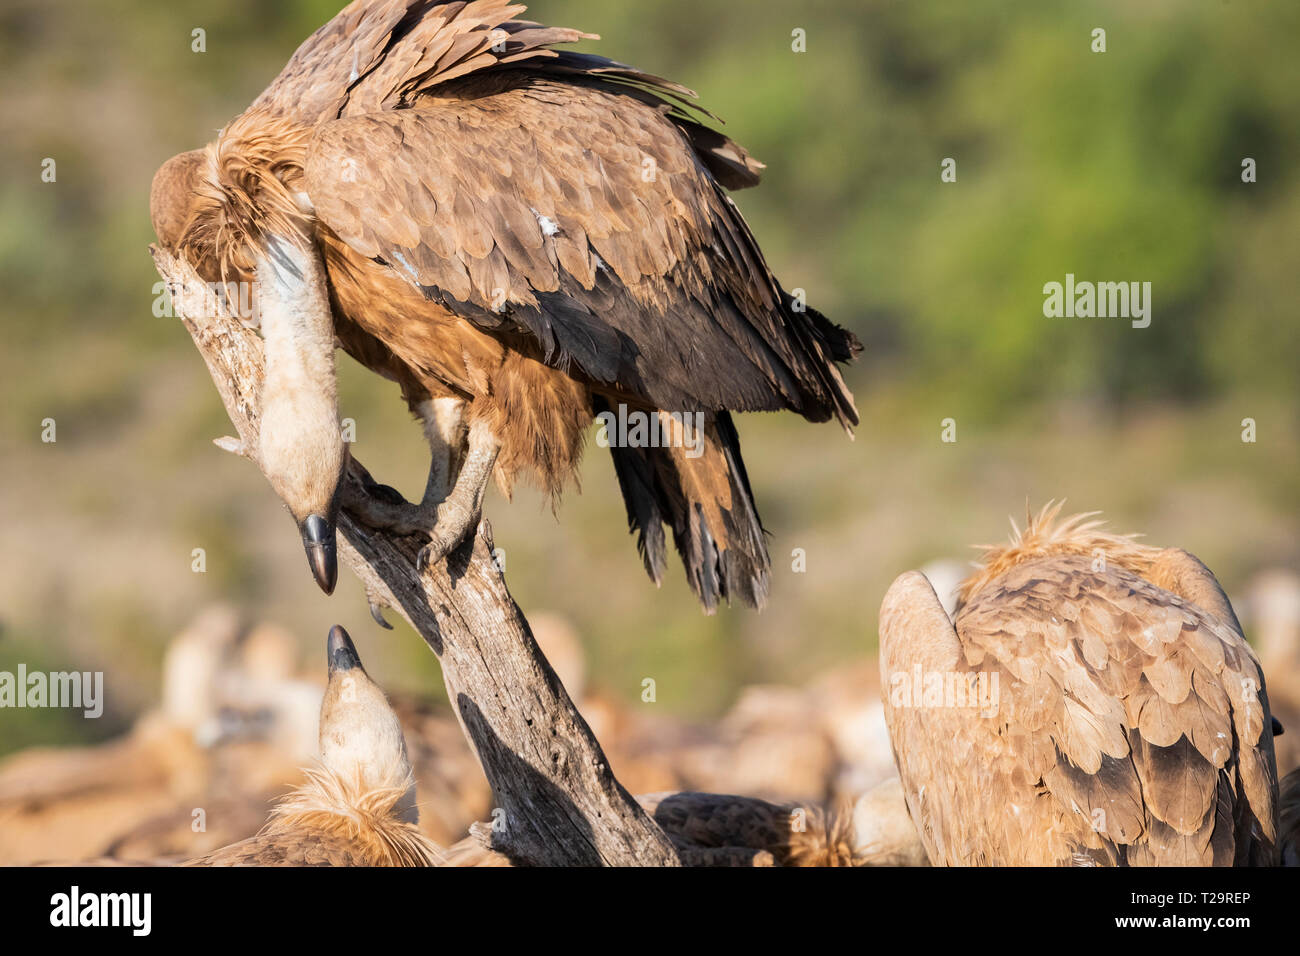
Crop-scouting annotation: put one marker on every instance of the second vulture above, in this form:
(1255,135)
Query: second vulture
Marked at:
(1091,702)
(523,239)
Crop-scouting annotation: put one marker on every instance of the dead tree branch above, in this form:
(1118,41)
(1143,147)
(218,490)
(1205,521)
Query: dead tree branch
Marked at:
(562,804)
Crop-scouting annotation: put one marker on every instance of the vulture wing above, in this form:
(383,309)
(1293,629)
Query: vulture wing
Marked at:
(1182,573)
(289,849)
(582,214)
(1130,725)
(382,54)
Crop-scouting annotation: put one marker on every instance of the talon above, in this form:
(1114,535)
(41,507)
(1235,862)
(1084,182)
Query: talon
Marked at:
(377,612)
(448,518)
(451,526)
(377,602)
(432,553)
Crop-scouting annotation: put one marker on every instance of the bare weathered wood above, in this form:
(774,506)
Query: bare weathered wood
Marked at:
(562,804)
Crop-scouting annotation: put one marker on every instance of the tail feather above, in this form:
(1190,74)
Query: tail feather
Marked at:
(708,504)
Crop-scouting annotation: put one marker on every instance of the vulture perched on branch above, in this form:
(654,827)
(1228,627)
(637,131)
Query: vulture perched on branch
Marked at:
(1091,702)
(524,239)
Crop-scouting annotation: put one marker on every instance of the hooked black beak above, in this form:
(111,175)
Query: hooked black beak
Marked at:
(340,651)
(318,539)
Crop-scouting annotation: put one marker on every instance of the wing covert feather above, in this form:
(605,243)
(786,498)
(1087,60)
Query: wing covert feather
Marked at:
(584,217)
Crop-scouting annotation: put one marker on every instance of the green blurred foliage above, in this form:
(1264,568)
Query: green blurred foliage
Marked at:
(1123,165)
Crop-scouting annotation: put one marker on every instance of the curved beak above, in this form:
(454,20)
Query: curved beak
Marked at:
(340,651)
(318,540)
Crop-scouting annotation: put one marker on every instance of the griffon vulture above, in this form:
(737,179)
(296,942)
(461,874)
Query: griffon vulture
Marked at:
(358,807)
(523,239)
(1091,702)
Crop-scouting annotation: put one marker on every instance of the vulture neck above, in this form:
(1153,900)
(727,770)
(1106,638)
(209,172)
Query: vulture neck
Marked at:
(373,821)
(300,443)
(296,322)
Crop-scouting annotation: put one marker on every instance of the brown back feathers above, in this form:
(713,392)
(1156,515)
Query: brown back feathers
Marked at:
(1076,712)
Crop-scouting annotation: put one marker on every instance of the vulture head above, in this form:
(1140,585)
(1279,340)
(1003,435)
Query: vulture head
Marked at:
(361,740)
(300,445)
(170,196)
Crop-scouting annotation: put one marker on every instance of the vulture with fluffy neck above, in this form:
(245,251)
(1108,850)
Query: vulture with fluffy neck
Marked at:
(1091,702)
(358,808)
(523,239)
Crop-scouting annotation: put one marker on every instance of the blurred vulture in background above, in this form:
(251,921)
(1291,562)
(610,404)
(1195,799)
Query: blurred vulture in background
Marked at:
(1290,819)
(725,830)
(230,734)
(239,718)
(1091,702)
(1271,613)
(523,239)
(359,806)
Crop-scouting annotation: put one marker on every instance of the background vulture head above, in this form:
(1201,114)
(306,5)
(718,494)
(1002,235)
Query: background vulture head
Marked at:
(361,738)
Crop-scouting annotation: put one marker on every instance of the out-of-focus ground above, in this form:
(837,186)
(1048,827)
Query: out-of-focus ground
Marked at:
(1118,166)
(236,720)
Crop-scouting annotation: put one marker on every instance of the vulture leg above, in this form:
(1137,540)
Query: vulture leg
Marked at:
(459,471)
(445,431)
(381,506)
(458,513)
